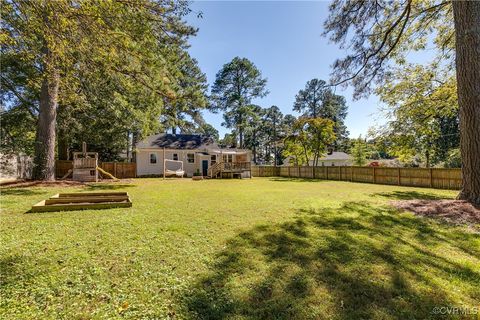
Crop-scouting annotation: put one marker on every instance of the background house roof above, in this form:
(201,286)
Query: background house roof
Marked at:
(177,141)
(336,156)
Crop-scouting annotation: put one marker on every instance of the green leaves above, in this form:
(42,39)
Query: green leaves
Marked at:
(318,100)
(309,140)
(359,152)
(423,109)
(236,85)
(376,32)
(121,63)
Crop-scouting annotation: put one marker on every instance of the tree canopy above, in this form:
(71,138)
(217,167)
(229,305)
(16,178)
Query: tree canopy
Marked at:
(91,67)
(318,100)
(422,107)
(380,34)
(235,86)
(309,140)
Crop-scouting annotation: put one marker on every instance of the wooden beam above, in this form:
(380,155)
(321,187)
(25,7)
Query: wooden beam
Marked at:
(89,194)
(42,207)
(86,200)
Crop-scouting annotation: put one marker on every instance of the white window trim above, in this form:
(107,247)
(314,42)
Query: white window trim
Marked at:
(194,158)
(150,158)
(227,155)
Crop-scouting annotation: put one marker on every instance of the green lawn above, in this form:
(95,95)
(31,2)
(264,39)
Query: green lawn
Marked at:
(238,249)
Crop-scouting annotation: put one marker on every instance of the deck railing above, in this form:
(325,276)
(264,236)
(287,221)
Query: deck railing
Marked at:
(228,167)
(236,166)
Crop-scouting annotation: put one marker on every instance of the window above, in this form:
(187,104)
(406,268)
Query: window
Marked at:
(190,158)
(153,158)
(175,156)
(228,158)
(213,159)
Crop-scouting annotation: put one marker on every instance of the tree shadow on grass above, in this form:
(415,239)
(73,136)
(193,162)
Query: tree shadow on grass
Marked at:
(20,192)
(11,272)
(356,262)
(282,179)
(92,187)
(408,195)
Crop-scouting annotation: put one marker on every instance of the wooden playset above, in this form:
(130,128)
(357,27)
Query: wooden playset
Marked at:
(83,201)
(85,165)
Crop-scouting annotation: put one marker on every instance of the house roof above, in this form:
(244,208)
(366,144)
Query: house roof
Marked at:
(336,156)
(177,141)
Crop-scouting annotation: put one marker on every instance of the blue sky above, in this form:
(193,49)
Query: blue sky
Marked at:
(283,39)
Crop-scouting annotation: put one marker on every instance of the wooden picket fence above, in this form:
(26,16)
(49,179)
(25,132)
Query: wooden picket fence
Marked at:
(412,177)
(121,170)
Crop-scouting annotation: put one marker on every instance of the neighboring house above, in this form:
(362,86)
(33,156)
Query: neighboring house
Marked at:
(338,159)
(198,153)
(335,159)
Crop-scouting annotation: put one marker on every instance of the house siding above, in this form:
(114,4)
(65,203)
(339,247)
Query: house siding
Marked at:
(145,168)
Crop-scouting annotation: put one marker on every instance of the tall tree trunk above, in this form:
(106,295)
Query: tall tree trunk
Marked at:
(62,146)
(240,136)
(427,159)
(128,146)
(275,140)
(44,161)
(255,146)
(467,30)
(135,137)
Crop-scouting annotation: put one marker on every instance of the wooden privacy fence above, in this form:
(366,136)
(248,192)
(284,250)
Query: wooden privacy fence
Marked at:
(121,170)
(413,177)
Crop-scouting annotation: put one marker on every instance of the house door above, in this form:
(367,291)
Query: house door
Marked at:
(204,168)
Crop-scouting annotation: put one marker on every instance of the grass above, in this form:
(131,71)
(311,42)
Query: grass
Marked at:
(249,249)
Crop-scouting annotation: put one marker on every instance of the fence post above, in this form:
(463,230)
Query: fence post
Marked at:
(327,171)
(398,175)
(351,173)
(115,169)
(289,171)
(431,178)
(374,176)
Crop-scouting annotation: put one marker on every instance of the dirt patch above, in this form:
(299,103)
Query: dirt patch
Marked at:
(454,211)
(57,183)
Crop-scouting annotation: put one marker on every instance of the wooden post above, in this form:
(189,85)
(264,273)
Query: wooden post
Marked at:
(431,178)
(313,171)
(351,173)
(398,175)
(374,175)
(327,171)
(163,163)
(115,169)
(289,170)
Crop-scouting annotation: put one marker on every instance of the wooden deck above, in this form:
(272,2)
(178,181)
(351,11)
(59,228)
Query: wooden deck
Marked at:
(229,169)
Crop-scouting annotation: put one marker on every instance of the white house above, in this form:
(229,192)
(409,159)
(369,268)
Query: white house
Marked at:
(195,152)
(332,159)
(335,159)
